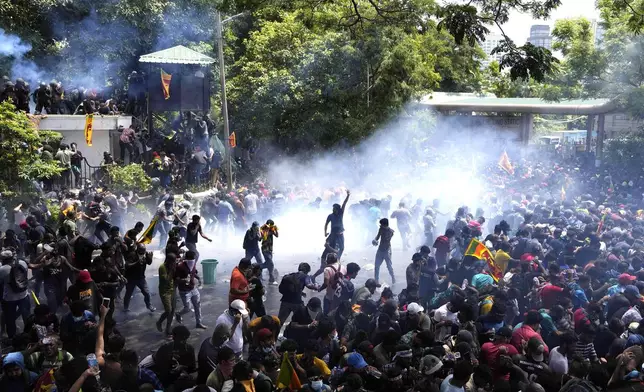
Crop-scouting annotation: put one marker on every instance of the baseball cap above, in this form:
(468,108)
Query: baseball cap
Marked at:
(533,317)
(371,282)
(632,290)
(239,305)
(84,276)
(536,349)
(264,333)
(505,331)
(430,364)
(414,308)
(314,304)
(356,360)
(626,278)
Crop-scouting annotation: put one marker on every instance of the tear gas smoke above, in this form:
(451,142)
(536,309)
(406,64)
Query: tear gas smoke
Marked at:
(21,67)
(410,158)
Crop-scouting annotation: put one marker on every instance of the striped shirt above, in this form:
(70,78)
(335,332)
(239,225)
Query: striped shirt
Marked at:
(587,351)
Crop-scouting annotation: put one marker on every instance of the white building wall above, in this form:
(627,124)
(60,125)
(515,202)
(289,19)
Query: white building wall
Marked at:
(105,135)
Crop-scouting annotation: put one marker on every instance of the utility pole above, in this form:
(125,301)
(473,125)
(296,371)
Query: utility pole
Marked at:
(224,103)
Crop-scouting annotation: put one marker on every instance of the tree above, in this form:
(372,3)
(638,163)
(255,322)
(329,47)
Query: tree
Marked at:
(582,71)
(19,160)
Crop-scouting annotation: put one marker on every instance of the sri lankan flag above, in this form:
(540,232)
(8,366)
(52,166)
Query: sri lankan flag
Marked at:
(165,84)
(477,249)
(287,378)
(563,193)
(147,235)
(504,163)
(89,129)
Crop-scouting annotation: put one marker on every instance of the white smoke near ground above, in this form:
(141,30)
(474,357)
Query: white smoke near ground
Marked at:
(410,158)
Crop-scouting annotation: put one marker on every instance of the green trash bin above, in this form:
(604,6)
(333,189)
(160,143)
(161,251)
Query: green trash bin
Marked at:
(209,270)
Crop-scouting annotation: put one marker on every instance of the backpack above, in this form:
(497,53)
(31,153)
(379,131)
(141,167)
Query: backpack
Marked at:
(290,285)
(18,277)
(337,277)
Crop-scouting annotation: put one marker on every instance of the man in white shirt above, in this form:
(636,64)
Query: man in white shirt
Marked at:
(235,317)
(446,316)
(333,266)
(559,355)
(250,202)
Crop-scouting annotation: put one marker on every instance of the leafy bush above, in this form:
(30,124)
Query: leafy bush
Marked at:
(129,178)
(20,162)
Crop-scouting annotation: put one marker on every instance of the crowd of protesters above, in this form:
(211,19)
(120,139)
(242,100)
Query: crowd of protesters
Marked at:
(558,307)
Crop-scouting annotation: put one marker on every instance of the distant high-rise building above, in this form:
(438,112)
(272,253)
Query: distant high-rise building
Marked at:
(540,36)
(491,42)
(598,30)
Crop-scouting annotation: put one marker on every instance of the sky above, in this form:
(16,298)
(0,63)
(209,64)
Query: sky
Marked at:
(518,27)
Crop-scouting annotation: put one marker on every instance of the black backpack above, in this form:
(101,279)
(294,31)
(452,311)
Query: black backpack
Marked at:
(291,285)
(18,277)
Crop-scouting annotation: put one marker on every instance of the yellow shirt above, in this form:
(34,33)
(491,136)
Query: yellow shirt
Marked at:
(501,259)
(320,364)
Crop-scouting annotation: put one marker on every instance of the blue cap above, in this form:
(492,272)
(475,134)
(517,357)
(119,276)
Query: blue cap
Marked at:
(632,290)
(357,361)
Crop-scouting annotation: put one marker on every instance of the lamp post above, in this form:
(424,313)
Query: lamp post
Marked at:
(224,102)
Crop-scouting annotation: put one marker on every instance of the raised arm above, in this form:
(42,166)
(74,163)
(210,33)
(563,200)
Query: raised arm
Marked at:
(346,199)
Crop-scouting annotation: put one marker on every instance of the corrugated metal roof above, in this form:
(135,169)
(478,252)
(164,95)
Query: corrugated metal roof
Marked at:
(177,55)
(518,105)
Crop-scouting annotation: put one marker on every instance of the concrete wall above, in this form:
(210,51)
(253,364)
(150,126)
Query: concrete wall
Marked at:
(105,136)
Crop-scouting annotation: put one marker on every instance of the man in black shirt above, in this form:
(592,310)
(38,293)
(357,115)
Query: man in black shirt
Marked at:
(86,291)
(135,275)
(192,235)
(132,234)
(304,322)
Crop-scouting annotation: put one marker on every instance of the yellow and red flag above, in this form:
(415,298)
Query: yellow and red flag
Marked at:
(89,128)
(504,163)
(148,234)
(232,140)
(166,78)
(287,378)
(563,193)
(477,249)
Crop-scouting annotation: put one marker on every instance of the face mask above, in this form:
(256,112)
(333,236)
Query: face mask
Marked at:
(267,349)
(334,336)
(317,385)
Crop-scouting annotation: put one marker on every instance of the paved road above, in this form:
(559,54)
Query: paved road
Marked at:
(138,325)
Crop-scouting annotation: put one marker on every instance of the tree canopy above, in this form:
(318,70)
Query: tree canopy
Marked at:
(313,73)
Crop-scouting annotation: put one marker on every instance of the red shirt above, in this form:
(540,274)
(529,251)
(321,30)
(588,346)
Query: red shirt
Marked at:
(238,281)
(524,333)
(492,351)
(549,294)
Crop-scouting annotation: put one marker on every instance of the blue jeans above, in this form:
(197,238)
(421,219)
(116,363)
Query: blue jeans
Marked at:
(257,254)
(165,179)
(383,255)
(193,297)
(337,242)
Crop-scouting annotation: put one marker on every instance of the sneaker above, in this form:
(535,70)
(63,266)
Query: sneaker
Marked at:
(201,326)
(159,326)
(178,318)
(126,310)
(273,283)
(151,308)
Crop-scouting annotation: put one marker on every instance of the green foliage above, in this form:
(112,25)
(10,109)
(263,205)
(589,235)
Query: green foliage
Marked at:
(54,210)
(20,161)
(129,178)
(626,152)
